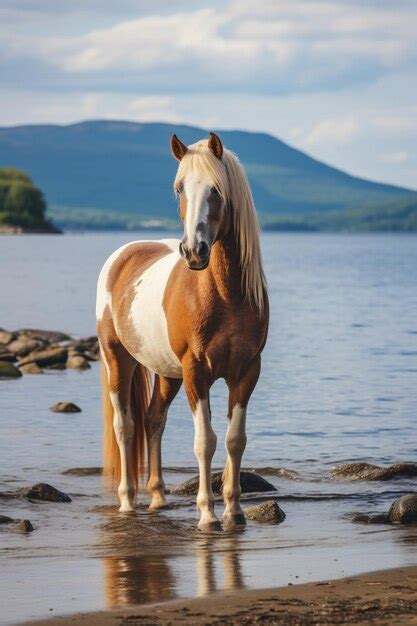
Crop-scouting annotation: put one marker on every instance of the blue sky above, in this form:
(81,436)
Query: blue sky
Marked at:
(335,78)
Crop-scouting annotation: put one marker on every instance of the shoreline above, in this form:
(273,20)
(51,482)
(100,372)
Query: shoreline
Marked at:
(383,597)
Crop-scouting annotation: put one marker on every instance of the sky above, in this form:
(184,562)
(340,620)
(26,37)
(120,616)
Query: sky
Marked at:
(334,78)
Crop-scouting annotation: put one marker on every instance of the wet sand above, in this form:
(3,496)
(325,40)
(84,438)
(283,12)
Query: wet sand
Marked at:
(385,597)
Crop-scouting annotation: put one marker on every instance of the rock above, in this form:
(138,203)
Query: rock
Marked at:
(5,355)
(6,520)
(56,366)
(404,510)
(367,471)
(50,336)
(31,368)
(8,370)
(48,356)
(250,482)
(276,471)
(25,526)
(268,511)
(363,518)
(24,346)
(83,471)
(6,337)
(65,407)
(45,492)
(77,362)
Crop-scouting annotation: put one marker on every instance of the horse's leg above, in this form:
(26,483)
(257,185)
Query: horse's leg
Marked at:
(120,366)
(165,390)
(197,387)
(239,394)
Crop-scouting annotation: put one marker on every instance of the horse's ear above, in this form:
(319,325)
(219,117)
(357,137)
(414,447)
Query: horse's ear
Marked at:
(215,145)
(178,148)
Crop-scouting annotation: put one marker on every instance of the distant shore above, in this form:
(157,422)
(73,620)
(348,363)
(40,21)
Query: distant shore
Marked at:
(386,597)
(48,229)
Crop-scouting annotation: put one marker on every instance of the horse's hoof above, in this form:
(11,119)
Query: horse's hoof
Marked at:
(232,521)
(157,506)
(210,527)
(126,507)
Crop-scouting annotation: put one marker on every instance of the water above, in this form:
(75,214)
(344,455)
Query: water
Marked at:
(337,385)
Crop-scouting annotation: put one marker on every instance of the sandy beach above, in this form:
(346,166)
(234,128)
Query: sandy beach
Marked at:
(387,597)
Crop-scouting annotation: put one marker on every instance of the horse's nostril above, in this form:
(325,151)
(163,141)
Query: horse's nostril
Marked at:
(181,249)
(203,249)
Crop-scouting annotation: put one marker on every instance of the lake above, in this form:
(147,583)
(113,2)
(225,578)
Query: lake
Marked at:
(337,385)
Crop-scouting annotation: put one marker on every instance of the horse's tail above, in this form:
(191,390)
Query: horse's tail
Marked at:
(139,402)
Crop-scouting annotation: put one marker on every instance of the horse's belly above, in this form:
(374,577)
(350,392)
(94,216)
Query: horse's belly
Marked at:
(151,346)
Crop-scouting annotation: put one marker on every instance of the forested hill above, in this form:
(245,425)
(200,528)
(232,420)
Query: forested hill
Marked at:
(126,168)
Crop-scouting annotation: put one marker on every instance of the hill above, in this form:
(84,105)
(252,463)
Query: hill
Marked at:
(106,169)
(22,206)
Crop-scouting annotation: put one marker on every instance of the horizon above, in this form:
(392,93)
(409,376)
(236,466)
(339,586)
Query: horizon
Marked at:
(196,126)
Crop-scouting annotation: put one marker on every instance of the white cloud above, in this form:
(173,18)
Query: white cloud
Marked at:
(333,132)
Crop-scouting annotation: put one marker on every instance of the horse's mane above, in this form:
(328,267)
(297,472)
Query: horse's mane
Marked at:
(229,178)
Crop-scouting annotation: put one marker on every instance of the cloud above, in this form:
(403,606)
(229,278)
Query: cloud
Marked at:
(395,157)
(264,47)
(333,132)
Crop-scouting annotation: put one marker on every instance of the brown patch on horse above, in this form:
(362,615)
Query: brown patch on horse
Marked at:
(212,328)
(123,277)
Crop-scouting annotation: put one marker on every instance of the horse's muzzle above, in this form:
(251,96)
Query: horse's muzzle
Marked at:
(197,257)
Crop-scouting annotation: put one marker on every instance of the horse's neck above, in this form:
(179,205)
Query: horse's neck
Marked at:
(225,268)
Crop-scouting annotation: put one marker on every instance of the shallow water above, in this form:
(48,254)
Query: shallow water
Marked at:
(338,384)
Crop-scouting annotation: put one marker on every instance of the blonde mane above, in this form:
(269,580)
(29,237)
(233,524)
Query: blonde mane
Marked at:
(229,178)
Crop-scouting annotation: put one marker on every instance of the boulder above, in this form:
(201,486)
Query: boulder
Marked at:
(4,519)
(45,492)
(77,362)
(24,346)
(46,357)
(8,370)
(56,366)
(65,407)
(363,518)
(268,511)
(367,471)
(282,472)
(250,482)
(31,368)
(404,510)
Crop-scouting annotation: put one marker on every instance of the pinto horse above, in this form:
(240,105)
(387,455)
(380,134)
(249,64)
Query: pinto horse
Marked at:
(188,311)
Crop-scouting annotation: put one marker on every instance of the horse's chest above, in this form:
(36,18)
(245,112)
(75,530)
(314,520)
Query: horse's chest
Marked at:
(148,338)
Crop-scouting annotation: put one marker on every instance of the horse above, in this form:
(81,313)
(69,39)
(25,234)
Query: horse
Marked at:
(184,311)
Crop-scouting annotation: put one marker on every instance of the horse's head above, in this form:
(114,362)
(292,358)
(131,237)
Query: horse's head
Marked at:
(200,184)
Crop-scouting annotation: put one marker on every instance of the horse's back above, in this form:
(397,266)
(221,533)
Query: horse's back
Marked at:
(130,290)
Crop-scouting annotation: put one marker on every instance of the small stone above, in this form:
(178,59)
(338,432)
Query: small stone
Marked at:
(31,368)
(77,362)
(4,519)
(24,346)
(268,511)
(404,510)
(25,526)
(45,492)
(8,370)
(83,471)
(65,407)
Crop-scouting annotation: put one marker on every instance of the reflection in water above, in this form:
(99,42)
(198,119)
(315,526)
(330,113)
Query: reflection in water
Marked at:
(207,577)
(137,580)
(138,551)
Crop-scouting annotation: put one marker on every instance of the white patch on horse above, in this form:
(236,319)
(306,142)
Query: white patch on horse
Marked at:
(103,296)
(197,193)
(148,318)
